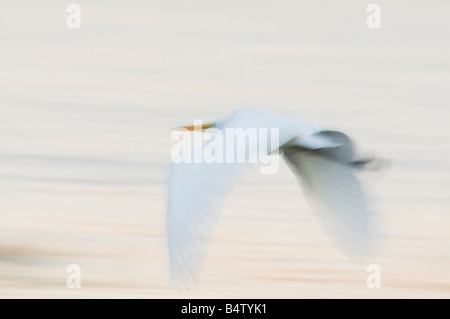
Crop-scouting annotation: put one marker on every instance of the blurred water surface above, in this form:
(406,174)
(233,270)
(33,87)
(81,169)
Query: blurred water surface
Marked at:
(85,121)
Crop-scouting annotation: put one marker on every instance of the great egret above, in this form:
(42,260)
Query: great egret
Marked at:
(322,159)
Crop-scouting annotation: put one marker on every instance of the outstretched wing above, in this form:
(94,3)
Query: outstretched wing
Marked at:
(196,195)
(324,164)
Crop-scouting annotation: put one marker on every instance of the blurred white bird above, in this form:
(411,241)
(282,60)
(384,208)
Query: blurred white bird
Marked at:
(322,159)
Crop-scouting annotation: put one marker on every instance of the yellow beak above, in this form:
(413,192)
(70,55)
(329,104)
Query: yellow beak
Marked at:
(197,127)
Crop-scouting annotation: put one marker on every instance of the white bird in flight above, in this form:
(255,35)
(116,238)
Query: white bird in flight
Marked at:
(322,159)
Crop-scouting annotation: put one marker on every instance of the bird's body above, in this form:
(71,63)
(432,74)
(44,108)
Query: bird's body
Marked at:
(321,158)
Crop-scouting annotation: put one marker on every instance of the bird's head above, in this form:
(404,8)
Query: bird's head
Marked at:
(241,118)
(197,127)
(200,126)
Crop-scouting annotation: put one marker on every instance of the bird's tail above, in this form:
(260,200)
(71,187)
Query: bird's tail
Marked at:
(371,163)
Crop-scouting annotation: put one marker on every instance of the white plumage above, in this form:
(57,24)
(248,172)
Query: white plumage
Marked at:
(322,159)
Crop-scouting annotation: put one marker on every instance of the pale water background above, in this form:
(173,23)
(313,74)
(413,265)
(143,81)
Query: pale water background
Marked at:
(85,122)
